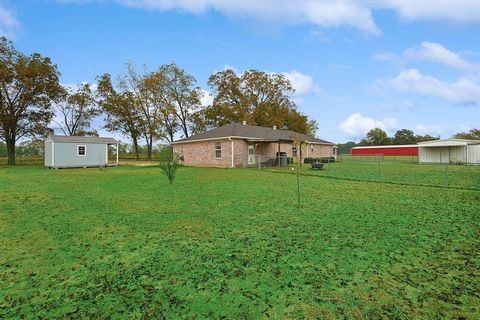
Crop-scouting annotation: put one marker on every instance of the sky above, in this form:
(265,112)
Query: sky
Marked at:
(355,65)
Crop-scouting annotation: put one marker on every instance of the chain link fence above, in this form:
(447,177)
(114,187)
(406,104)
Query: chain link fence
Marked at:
(386,169)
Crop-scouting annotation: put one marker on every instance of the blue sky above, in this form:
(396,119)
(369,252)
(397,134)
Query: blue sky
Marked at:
(355,64)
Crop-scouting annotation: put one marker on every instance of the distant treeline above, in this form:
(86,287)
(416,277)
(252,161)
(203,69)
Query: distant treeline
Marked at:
(378,137)
(36,148)
(144,105)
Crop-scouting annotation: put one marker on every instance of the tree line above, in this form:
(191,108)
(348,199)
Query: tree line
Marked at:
(378,137)
(142,105)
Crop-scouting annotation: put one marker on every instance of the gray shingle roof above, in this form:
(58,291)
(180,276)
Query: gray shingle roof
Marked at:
(81,139)
(252,132)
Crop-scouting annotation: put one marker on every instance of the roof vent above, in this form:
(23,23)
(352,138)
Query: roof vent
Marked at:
(244,122)
(274,127)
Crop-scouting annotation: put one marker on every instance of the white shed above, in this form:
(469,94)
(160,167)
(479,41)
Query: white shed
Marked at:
(76,151)
(449,151)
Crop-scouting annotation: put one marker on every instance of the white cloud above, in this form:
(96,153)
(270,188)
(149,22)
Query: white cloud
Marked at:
(9,24)
(357,14)
(428,129)
(457,11)
(318,35)
(435,52)
(302,83)
(357,125)
(229,67)
(322,13)
(389,57)
(462,91)
(207,98)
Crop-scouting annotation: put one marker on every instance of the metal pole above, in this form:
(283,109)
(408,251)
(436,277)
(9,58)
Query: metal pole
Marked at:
(446,174)
(378,165)
(298,189)
(278,154)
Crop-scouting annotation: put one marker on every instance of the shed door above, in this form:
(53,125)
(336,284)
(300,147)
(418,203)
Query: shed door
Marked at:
(251,154)
(444,155)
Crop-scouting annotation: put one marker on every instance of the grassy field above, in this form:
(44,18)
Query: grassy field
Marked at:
(439,175)
(222,243)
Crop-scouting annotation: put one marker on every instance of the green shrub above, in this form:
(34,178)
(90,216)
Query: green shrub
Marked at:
(169,161)
(308,160)
(326,159)
(322,160)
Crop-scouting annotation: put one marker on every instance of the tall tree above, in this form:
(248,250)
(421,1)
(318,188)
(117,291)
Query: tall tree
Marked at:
(344,148)
(28,85)
(473,134)
(182,95)
(77,108)
(257,97)
(122,109)
(157,95)
(3,149)
(34,147)
(404,136)
(376,137)
(427,137)
(138,83)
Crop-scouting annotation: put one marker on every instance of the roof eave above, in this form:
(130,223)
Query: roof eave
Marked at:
(249,139)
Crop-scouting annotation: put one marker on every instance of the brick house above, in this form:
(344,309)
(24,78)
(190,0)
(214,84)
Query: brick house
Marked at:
(239,145)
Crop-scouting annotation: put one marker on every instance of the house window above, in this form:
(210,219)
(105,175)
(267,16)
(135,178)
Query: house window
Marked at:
(218,150)
(294,150)
(81,151)
(311,147)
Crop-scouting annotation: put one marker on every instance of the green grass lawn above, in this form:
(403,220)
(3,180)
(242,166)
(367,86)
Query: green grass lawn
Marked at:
(453,176)
(222,243)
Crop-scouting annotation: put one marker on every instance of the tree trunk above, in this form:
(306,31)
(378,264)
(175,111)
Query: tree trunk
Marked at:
(184,128)
(135,147)
(149,148)
(11,151)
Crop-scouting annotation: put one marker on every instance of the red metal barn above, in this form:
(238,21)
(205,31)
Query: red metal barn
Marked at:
(395,150)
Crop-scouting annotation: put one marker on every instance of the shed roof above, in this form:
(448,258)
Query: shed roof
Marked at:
(448,143)
(249,132)
(81,139)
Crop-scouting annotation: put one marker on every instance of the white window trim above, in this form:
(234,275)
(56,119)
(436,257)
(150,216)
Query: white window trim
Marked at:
(296,150)
(215,151)
(84,146)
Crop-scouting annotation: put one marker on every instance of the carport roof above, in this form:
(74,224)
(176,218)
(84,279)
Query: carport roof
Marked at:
(448,143)
(81,139)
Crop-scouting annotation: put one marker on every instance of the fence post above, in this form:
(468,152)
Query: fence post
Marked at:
(378,165)
(298,189)
(446,174)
